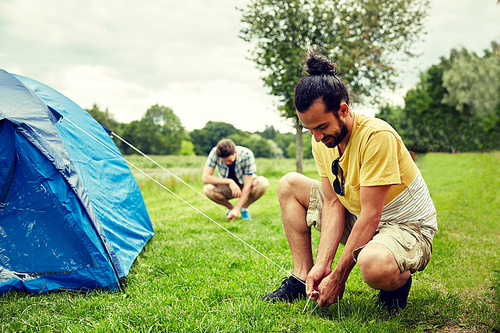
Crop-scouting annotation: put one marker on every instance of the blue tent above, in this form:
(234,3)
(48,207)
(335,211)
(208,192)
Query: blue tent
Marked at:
(72,216)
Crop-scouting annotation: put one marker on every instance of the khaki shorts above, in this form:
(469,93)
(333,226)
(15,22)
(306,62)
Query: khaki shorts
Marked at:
(226,190)
(410,248)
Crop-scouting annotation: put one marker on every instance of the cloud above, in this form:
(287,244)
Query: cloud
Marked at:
(454,24)
(128,55)
(149,42)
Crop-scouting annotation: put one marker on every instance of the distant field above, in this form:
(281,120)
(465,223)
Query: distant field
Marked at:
(195,277)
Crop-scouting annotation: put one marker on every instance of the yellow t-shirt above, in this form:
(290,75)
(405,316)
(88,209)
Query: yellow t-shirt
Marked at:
(375,155)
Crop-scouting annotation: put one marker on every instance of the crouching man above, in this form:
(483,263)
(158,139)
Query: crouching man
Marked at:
(371,198)
(237,178)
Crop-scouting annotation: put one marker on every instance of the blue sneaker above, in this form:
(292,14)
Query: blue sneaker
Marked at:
(245,214)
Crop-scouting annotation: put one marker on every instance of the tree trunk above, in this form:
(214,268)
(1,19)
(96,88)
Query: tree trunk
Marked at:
(299,148)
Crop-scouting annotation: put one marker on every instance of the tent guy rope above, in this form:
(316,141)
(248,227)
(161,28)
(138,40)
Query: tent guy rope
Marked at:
(163,168)
(178,197)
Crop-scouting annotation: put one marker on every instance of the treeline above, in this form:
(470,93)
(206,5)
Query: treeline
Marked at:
(160,132)
(454,107)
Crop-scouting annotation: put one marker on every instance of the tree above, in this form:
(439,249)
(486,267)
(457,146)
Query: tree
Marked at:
(269,133)
(159,132)
(167,128)
(276,152)
(426,123)
(473,82)
(257,144)
(137,136)
(107,119)
(364,37)
(439,116)
(187,148)
(306,144)
(206,138)
(283,141)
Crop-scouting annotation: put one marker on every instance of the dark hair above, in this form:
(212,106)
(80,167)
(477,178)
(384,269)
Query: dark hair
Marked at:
(321,82)
(225,147)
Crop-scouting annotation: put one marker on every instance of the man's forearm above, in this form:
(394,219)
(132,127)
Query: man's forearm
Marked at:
(245,193)
(372,199)
(361,234)
(332,227)
(214,180)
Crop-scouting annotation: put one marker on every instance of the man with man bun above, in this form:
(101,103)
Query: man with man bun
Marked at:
(237,178)
(371,198)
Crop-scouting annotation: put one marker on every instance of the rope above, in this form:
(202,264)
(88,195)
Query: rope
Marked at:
(150,159)
(177,196)
(187,203)
(307,303)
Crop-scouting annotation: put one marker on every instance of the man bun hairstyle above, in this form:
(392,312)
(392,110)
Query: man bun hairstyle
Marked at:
(225,147)
(318,64)
(321,81)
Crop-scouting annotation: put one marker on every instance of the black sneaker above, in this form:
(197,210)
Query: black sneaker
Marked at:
(291,289)
(392,300)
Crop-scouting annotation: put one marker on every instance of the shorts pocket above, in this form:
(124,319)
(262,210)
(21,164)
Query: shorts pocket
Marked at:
(406,238)
(403,241)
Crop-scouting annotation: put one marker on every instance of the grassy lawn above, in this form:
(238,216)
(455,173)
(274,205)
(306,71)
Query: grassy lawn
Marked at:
(194,276)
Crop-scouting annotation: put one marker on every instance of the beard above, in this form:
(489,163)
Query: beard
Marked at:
(332,141)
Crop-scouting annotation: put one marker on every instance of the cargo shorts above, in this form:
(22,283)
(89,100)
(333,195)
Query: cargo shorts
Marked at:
(226,190)
(411,249)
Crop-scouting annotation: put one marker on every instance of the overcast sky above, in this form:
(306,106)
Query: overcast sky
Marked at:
(128,55)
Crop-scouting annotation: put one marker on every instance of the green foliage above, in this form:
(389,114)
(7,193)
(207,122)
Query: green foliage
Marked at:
(105,118)
(187,148)
(269,133)
(451,109)
(194,277)
(306,144)
(276,152)
(362,36)
(365,38)
(283,140)
(291,149)
(472,82)
(206,138)
(159,132)
(258,145)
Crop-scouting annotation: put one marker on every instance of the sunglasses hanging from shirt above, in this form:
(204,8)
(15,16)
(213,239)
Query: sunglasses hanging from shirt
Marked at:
(338,185)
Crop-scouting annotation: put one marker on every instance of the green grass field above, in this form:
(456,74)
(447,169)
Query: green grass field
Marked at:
(194,276)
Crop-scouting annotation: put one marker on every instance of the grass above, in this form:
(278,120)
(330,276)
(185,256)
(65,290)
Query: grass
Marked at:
(193,276)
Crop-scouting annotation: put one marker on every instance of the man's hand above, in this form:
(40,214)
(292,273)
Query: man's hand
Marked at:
(331,290)
(235,189)
(324,286)
(232,215)
(314,279)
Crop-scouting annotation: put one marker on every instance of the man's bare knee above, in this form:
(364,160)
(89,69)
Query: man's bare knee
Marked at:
(209,190)
(261,184)
(287,182)
(294,185)
(378,266)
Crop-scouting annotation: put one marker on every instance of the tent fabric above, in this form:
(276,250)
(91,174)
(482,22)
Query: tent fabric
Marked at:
(71,213)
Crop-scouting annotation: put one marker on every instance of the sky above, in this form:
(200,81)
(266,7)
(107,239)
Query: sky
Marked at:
(127,55)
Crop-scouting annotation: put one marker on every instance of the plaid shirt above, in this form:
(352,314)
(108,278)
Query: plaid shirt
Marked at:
(244,164)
